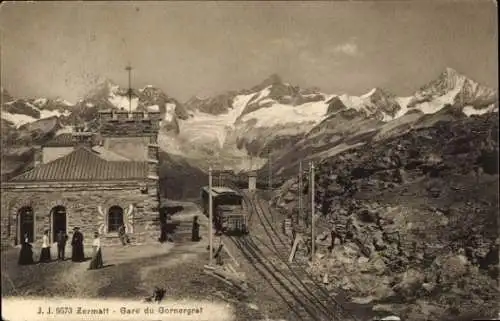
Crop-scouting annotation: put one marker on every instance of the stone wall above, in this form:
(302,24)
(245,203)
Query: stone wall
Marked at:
(84,204)
(134,148)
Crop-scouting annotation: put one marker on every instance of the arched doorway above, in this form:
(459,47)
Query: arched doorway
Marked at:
(26,219)
(115,218)
(59,220)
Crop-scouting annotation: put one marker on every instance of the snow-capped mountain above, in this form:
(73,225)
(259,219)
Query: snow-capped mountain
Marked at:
(378,115)
(18,112)
(108,95)
(455,89)
(273,117)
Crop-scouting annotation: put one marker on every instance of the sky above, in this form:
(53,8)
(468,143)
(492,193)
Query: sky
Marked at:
(52,49)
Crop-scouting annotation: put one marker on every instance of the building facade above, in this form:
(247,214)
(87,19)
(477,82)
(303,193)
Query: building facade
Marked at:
(94,181)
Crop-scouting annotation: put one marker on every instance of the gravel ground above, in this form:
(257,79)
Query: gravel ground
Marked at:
(130,272)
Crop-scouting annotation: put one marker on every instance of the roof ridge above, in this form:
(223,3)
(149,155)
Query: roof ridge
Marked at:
(60,160)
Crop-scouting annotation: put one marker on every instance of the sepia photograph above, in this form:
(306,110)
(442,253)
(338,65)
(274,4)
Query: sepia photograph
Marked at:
(249,160)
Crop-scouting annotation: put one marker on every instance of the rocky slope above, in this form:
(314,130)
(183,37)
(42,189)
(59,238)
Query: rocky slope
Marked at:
(355,121)
(424,211)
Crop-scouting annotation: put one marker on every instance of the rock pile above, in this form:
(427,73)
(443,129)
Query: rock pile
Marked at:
(423,212)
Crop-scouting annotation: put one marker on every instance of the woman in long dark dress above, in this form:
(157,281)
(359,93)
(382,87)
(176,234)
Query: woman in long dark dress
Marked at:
(77,253)
(26,253)
(195,231)
(96,262)
(45,254)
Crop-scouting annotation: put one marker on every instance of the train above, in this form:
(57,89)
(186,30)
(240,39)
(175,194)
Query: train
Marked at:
(229,214)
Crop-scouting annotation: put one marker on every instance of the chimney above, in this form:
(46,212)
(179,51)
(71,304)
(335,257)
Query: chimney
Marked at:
(81,137)
(252,181)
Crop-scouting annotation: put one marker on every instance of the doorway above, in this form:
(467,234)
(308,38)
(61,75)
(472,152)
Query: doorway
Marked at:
(26,221)
(59,222)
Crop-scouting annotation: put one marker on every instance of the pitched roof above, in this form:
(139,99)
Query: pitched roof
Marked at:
(109,155)
(84,165)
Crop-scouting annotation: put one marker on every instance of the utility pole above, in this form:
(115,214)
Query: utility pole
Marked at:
(300,214)
(312,211)
(269,162)
(210,214)
(129,69)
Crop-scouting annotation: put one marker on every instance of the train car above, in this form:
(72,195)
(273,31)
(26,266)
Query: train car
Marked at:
(228,210)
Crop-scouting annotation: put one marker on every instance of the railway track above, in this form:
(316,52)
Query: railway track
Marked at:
(267,252)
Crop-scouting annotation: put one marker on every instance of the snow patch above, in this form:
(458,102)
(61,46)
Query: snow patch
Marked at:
(17,119)
(153,108)
(469,110)
(170,112)
(64,102)
(403,102)
(123,102)
(41,101)
(89,105)
(263,93)
(203,127)
(279,114)
(265,101)
(368,94)
(51,113)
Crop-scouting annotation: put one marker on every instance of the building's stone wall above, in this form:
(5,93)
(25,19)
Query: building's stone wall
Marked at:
(252,183)
(129,128)
(133,148)
(52,153)
(82,204)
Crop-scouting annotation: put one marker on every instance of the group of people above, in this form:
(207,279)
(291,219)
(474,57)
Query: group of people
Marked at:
(77,253)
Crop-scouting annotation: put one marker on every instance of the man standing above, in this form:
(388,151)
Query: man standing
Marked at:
(77,254)
(195,230)
(121,234)
(61,239)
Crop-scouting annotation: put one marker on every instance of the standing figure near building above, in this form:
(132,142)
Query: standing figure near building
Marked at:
(123,235)
(45,254)
(77,253)
(218,222)
(163,231)
(195,231)
(96,262)
(62,238)
(26,253)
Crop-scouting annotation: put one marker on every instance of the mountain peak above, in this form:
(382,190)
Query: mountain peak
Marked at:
(102,89)
(377,91)
(450,71)
(273,79)
(6,96)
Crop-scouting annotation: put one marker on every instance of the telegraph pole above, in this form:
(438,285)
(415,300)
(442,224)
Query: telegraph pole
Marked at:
(312,211)
(300,214)
(129,69)
(270,168)
(210,213)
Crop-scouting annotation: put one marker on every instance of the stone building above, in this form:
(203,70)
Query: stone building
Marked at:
(96,181)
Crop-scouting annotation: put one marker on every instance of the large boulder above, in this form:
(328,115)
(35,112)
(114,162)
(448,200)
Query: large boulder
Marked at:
(412,281)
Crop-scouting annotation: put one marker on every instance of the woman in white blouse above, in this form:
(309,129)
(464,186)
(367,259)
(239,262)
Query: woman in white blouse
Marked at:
(96,262)
(45,254)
